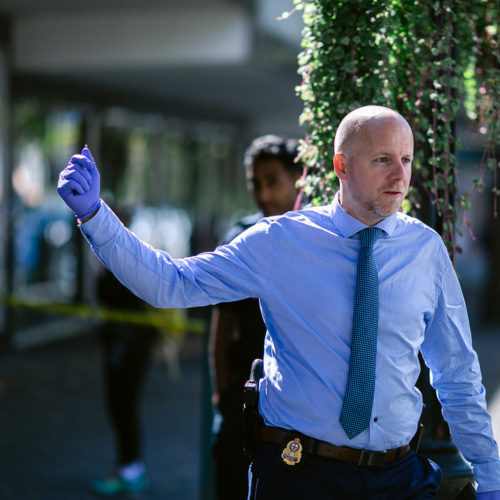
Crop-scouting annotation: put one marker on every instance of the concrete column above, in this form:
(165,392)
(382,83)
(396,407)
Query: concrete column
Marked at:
(4,171)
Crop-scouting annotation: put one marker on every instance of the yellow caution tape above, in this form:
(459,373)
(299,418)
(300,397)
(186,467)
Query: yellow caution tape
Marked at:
(172,322)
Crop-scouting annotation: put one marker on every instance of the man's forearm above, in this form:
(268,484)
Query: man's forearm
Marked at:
(157,278)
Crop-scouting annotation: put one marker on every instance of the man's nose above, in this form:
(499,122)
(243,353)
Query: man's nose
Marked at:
(264,194)
(398,169)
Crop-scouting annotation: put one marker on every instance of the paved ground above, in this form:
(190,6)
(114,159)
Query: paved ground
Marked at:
(54,436)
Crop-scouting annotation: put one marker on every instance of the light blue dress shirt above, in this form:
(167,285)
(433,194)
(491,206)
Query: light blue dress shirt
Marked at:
(302,267)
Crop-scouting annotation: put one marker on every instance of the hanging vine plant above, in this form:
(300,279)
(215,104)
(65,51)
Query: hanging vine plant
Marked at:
(430,60)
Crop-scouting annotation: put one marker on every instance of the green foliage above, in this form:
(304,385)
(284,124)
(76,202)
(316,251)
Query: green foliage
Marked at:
(425,59)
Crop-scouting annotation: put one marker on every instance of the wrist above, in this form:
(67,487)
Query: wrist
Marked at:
(82,220)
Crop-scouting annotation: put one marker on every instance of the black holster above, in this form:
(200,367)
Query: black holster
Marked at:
(468,493)
(251,417)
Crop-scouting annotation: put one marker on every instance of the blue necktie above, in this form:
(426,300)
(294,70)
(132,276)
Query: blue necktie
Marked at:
(358,399)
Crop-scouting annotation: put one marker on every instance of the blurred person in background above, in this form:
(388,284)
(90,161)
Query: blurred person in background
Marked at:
(237,329)
(126,351)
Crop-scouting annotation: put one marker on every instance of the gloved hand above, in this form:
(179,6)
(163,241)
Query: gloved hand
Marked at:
(489,495)
(79,184)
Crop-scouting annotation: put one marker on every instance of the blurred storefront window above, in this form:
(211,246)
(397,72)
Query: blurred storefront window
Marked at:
(182,180)
(44,262)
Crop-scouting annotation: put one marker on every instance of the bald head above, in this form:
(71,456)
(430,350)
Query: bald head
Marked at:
(373,156)
(353,124)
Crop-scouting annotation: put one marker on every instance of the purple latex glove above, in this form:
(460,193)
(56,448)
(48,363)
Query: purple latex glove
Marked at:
(489,495)
(79,184)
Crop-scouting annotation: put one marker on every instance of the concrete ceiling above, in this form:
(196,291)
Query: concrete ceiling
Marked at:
(224,58)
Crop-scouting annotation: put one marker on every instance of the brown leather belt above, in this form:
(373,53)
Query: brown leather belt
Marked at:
(322,448)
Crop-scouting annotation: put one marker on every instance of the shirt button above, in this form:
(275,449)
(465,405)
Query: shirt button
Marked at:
(375,419)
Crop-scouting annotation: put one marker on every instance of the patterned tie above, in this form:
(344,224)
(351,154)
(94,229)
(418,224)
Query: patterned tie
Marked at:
(358,399)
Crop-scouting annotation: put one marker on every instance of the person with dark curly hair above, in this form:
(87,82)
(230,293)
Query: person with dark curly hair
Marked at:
(237,329)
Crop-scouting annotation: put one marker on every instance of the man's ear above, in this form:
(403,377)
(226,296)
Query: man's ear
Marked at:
(339,165)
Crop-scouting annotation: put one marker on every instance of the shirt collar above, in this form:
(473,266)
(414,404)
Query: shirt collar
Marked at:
(348,225)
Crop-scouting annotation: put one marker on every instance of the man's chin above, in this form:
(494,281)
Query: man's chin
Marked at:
(387,211)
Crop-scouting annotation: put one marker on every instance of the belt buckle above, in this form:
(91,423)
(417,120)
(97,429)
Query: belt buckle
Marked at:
(369,458)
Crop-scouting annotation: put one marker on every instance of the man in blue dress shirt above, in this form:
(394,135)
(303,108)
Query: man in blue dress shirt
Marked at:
(302,266)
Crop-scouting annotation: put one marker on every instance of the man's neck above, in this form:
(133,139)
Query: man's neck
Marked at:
(367,219)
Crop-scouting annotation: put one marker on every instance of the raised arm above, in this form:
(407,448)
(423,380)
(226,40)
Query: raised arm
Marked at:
(230,273)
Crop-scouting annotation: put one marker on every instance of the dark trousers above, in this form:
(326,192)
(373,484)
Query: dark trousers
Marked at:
(411,477)
(126,358)
(230,463)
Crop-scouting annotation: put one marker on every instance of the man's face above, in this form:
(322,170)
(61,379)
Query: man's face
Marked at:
(272,187)
(375,170)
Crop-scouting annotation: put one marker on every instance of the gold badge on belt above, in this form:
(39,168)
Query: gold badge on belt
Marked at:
(292,453)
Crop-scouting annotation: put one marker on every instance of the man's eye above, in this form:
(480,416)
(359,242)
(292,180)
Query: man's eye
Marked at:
(406,160)
(382,159)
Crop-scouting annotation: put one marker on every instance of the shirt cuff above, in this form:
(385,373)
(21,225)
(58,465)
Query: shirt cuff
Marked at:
(101,228)
(487,476)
